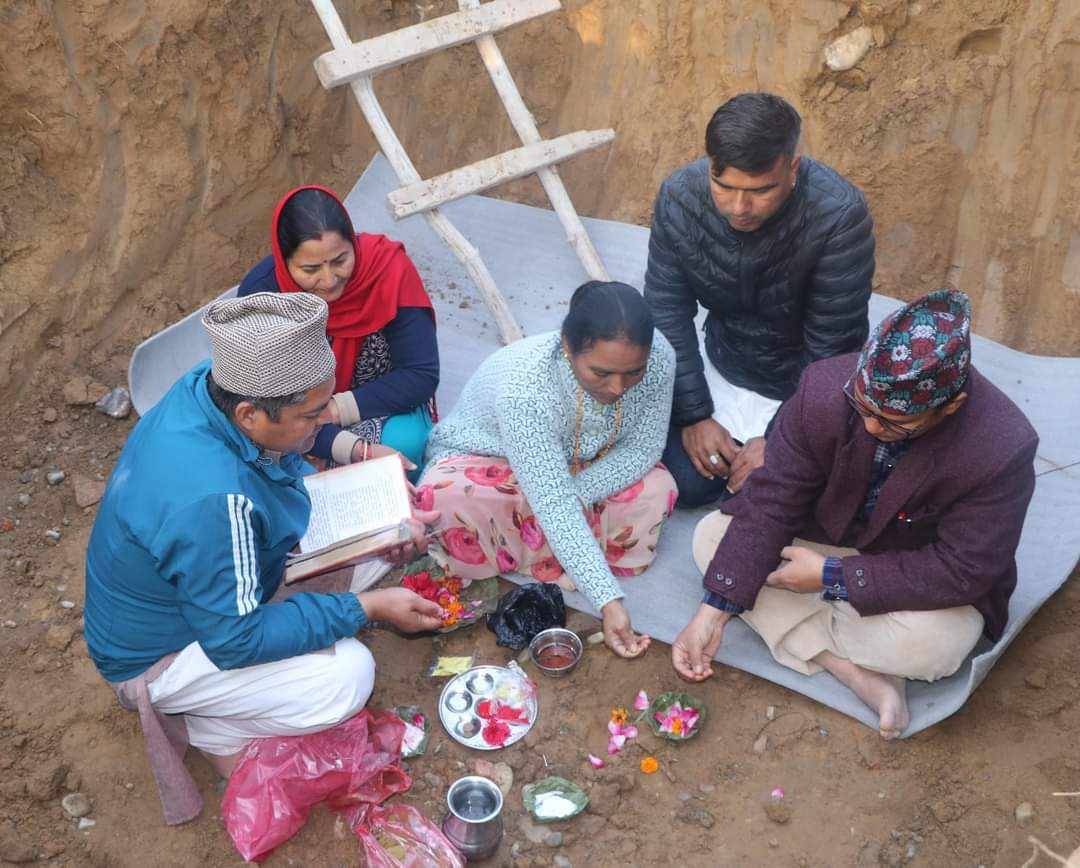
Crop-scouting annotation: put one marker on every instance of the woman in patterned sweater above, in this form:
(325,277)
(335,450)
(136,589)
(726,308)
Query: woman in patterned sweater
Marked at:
(381,326)
(548,465)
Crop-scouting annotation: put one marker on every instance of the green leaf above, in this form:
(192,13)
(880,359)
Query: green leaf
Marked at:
(484,590)
(407,713)
(553,799)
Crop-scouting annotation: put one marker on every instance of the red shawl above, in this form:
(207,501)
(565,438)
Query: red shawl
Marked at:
(383,280)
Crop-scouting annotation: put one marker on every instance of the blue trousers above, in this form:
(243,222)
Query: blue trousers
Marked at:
(408,434)
(694,489)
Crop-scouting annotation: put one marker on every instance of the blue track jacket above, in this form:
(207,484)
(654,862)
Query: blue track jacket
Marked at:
(190,542)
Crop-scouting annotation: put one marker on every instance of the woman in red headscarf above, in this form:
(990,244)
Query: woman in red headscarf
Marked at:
(381,325)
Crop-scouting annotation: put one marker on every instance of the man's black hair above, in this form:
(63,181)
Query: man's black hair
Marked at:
(227,401)
(607,311)
(750,132)
(307,216)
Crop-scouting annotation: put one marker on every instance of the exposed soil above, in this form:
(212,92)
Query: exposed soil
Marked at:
(946,796)
(142,145)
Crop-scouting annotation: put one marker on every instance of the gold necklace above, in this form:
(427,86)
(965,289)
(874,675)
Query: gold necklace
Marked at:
(575,465)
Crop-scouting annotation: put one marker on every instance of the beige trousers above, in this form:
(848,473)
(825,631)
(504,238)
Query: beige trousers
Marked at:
(797,627)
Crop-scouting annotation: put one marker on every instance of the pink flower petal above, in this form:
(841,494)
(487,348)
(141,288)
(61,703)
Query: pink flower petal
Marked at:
(596,762)
(777,794)
(642,701)
(615,744)
(630,731)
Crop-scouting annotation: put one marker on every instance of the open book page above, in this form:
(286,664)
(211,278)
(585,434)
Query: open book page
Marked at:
(355,500)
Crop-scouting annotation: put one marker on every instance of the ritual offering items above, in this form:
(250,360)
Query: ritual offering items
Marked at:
(444,667)
(553,799)
(676,716)
(488,707)
(460,606)
(473,824)
(417,730)
(556,651)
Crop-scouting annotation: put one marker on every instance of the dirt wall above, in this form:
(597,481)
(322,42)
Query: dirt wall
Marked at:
(143,143)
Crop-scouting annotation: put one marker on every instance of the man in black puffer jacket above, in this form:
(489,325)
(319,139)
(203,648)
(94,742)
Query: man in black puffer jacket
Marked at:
(779,249)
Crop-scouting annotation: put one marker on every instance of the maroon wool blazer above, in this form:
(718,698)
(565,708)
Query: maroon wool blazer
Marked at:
(945,528)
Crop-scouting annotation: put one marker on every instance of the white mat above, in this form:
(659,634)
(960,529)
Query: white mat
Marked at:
(527,253)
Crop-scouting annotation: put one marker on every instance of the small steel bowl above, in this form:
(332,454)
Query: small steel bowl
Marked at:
(459,701)
(553,641)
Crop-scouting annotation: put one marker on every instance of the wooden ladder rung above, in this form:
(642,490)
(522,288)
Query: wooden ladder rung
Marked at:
(380,53)
(485,174)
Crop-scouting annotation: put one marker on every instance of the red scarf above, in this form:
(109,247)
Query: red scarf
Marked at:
(383,280)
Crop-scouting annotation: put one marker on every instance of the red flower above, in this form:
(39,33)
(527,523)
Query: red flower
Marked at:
(496,733)
(546,570)
(490,709)
(422,584)
(624,572)
(490,475)
(463,545)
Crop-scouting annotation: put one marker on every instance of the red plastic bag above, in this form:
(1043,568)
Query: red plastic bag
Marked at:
(399,836)
(274,787)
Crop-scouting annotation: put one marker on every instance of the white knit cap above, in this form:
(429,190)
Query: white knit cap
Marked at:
(269,344)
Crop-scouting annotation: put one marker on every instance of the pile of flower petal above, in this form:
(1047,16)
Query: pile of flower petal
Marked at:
(500,717)
(620,730)
(676,720)
(445,591)
(675,715)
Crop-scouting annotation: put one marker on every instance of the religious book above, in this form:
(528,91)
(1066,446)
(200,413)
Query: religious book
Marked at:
(358,512)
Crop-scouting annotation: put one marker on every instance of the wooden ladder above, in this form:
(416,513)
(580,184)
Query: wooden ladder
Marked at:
(355,64)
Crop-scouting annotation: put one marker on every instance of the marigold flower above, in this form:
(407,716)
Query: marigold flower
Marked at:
(619,716)
(649,765)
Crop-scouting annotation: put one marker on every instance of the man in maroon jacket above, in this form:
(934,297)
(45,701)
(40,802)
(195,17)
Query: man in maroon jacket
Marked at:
(908,475)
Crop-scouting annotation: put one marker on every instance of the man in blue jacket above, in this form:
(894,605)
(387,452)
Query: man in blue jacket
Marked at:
(779,250)
(190,542)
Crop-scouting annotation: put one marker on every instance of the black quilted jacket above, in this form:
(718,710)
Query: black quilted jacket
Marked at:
(794,291)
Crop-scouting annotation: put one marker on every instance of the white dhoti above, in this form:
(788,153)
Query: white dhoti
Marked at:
(744,413)
(224,709)
(925,645)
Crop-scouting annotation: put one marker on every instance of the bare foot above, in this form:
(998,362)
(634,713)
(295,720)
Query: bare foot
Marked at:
(886,694)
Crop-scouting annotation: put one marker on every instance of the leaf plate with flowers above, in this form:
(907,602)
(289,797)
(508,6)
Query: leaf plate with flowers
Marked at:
(675,715)
(461,605)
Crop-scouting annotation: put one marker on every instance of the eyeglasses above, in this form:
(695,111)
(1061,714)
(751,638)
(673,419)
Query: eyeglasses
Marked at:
(890,426)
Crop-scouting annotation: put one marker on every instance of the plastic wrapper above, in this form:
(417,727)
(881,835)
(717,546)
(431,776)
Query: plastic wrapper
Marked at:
(526,610)
(399,836)
(278,781)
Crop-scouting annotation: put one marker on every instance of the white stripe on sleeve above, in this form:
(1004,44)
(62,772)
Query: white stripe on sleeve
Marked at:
(238,566)
(253,563)
(245,566)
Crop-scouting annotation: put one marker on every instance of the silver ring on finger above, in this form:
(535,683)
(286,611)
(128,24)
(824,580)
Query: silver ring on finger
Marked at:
(714,459)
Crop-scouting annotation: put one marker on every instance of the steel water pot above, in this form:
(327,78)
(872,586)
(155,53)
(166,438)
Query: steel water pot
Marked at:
(473,824)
